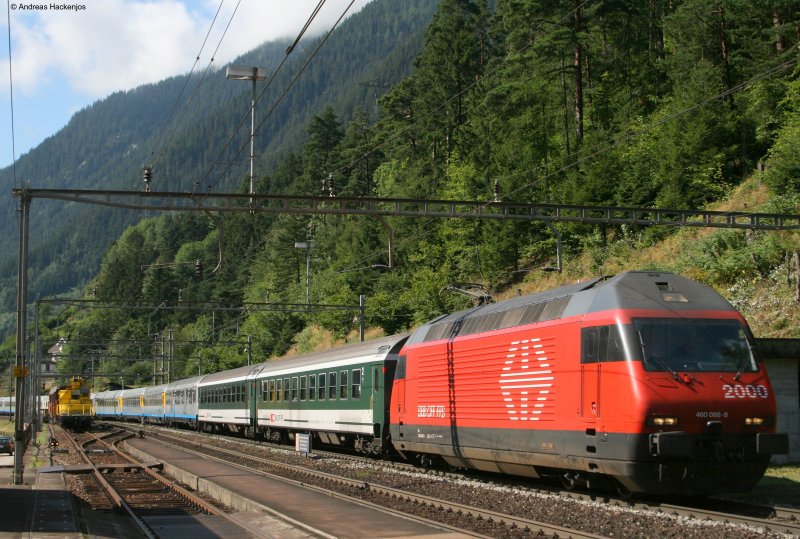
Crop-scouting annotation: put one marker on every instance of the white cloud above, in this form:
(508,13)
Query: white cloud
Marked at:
(119,44)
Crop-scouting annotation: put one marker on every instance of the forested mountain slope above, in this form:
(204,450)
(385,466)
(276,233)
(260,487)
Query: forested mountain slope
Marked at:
(105,145)
(653,104)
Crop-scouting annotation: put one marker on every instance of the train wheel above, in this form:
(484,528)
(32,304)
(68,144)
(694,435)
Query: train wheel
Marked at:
(623,491)
(568,481)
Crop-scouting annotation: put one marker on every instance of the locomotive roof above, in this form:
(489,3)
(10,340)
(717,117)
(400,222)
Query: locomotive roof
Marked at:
(628,290)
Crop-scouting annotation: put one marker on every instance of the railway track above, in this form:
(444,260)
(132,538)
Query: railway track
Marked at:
(113,480)
(467,519)
(738,519)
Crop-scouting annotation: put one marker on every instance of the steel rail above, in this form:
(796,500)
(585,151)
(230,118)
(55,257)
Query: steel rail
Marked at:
(190,498)
(113,494)
(444,505)
(789,524)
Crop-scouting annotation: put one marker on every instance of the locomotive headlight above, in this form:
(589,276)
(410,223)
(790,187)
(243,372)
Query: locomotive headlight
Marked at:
(662,421)
(758,421)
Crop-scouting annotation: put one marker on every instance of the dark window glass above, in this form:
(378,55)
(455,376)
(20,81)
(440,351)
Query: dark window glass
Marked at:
(343,384)
(695,345)
(331,385)
(356,384)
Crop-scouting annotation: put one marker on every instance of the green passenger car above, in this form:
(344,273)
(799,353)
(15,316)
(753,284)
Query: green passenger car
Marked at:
(341,397)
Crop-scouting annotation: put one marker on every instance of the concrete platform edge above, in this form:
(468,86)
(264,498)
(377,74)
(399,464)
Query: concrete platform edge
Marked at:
(227,497)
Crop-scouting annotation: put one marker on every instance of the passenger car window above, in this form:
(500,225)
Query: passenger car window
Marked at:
(356,383)
(343,384)
(321,392)
(331,385)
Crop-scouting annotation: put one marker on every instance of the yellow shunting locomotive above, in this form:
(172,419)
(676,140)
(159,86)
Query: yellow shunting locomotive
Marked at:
(71,404)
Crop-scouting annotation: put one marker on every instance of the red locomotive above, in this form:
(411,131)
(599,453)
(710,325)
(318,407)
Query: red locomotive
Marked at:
(647,379)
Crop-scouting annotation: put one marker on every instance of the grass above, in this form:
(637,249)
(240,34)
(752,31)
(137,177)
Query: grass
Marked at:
(779,486)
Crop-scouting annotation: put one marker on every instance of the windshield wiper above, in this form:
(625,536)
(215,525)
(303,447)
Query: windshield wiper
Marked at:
(744,361)
(656,359)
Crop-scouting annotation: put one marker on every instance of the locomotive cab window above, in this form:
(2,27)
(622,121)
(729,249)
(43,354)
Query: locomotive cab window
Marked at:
(695,345)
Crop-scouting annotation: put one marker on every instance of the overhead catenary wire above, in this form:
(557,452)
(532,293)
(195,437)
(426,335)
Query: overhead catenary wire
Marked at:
(186,80)
(267,86)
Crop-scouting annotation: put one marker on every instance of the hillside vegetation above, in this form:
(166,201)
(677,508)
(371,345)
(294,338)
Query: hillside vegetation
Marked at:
(669,104)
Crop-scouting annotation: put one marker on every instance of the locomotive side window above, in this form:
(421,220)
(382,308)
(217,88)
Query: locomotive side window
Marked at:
(601,343)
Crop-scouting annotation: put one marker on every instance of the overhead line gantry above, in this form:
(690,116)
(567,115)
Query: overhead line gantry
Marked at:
(339,205)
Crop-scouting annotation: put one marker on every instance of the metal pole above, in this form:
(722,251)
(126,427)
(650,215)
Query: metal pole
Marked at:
(308,275)
(558,245)
(390,236)
(37,368)
(253,131)
(249,350)
(170,350)
(361,317)
(22,313)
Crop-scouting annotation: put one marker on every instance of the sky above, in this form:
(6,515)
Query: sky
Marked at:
(67,54)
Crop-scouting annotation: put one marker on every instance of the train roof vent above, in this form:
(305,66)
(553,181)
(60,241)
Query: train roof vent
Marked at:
(439,331)
(532,313)
(554,308)
(511,317)
(670,294)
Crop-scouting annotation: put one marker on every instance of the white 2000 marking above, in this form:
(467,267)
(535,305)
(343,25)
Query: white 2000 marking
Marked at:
(745,392)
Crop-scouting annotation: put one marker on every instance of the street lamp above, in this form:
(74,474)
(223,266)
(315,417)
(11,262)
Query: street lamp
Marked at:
(253,74)
(307,246)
